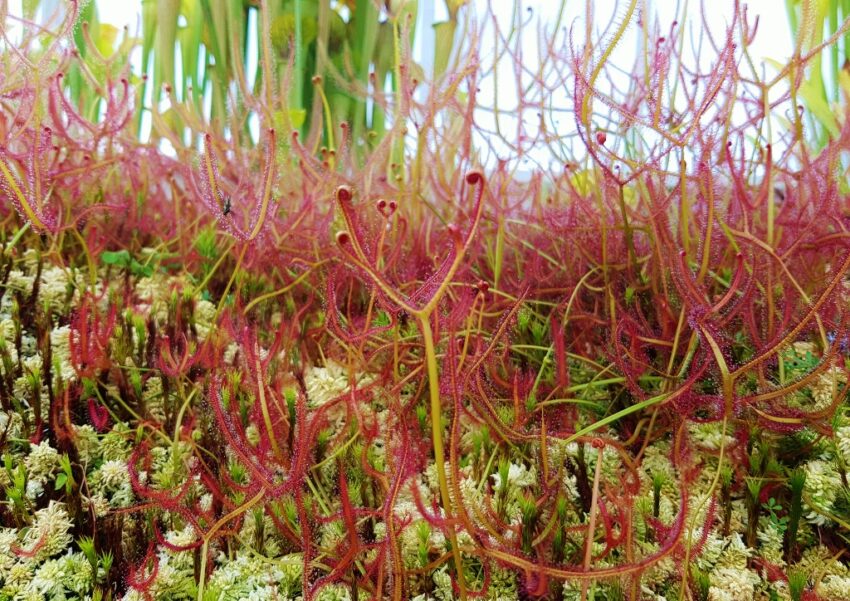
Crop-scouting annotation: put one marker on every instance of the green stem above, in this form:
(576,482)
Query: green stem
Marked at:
(298,74)
(437,438)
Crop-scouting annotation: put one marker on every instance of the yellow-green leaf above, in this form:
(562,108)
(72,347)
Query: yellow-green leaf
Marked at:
(844,82)
(297,117)
(444,34)
(819,107)
(107,35)
(166,36)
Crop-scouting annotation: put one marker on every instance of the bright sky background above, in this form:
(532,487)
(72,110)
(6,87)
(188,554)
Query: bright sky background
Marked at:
(773,40)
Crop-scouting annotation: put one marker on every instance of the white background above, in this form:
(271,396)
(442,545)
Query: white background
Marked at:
(773,40)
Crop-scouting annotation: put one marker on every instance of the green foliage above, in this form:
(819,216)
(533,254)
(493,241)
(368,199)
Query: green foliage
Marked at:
(65,477)
(529,514)
(122,259)
(797,582)
(797,484)
(815,23)
(774,515)
(86,545)
(423,538)
(16,491)
(701,583)
(206,243)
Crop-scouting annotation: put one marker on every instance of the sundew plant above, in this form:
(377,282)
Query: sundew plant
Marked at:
(339,328)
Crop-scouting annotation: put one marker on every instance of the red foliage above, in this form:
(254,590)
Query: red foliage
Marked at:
(661,290)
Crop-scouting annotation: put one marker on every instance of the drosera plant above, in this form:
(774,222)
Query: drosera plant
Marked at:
(420,305)
(292,370)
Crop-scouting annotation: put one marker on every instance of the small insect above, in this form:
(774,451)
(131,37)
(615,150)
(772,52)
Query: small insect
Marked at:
(226,208)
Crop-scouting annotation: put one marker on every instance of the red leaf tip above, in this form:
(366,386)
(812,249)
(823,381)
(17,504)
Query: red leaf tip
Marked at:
(344,194)
(386,208)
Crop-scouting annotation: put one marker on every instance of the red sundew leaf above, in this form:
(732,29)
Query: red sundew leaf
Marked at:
(353,546)
(136,578)
(432,517)
(165,499)
(430,286)
(119,109)
(772,571)
(560,347)
(91,333)
(222,206)
(80,134)
(32,551)
(351,335)
(208,181)
(99,415)
(171,546)
(234,435)
(35,437)
(176,359)
(361,255)
(264,203)
(536,584)
(29,200)
(57,99)
(262,466)
(60,422)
